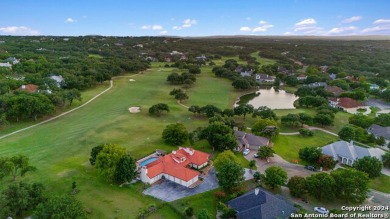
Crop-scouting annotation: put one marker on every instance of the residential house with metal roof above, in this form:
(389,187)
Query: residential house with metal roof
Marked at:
(261,204)
(347,153)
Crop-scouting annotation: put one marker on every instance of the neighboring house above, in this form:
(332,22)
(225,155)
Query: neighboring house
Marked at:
(139,45)
(374,87)
(352,78)
(58,79)
(284,70)
(5,65)
(176,167)
(238,69)
(246,73)
(333,76)
(176,53)
(336,91)
(201,58)
(251,141)
(347,153)
(150,59)
(324,68)
(302,77)
(29,88)
(344,103)
(12,60)
(317,84)
(265,78)
(380,131)
(261,204)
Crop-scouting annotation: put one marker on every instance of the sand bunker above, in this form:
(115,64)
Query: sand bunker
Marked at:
(134,109)
(131,80)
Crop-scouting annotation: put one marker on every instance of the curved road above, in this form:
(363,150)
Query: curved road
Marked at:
(72,110)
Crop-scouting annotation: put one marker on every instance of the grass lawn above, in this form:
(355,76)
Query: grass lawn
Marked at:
(288,146)
(95,56)
(341,118)
(263,61)
(85,95)
(60,149)
(198,202)
(381,183)
(289,88)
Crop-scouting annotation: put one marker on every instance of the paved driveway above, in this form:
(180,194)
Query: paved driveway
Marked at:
(170,191)
(290,168)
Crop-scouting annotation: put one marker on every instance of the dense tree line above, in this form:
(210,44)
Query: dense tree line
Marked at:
(349,185)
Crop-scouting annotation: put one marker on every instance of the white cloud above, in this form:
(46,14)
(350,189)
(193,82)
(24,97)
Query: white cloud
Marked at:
(85,17)
(163,32)
(264,27)
(308,27)
(187,23)
(382,26)
(152,27)
(351,19)
(382,21)
(245,29)
(248,18)
(157,27)
(306,22)
(70,20)
(343,30)
(377,30)
(21,30)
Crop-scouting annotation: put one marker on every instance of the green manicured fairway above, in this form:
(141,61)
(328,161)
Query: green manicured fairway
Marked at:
(263,61)
(60,149)
(381,183)
(95,56)
(288,146)
(85,95)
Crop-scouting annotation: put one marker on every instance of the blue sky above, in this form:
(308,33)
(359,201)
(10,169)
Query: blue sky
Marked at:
(195,18)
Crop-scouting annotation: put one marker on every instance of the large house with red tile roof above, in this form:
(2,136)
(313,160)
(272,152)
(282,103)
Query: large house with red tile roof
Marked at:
(344,103)
(176,167)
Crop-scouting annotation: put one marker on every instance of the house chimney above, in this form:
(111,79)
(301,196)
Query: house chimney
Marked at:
(257,190)
(351,143)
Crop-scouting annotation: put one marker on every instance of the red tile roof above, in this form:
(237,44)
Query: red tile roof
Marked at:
(347,102)
(29,88)
(175,164)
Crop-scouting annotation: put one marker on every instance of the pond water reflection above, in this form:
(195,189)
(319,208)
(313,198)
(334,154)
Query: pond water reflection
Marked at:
(270,98)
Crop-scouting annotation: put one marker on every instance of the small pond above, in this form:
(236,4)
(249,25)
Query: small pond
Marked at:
(270,98)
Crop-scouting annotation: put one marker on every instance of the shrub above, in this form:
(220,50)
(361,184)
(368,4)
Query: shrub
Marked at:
(306,132)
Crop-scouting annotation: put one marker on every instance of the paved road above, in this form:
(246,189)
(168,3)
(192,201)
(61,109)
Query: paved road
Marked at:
(291,169)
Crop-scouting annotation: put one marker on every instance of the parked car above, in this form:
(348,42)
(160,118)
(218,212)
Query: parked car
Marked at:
(246,152)
(256,155)
(321,210)
(310,168)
